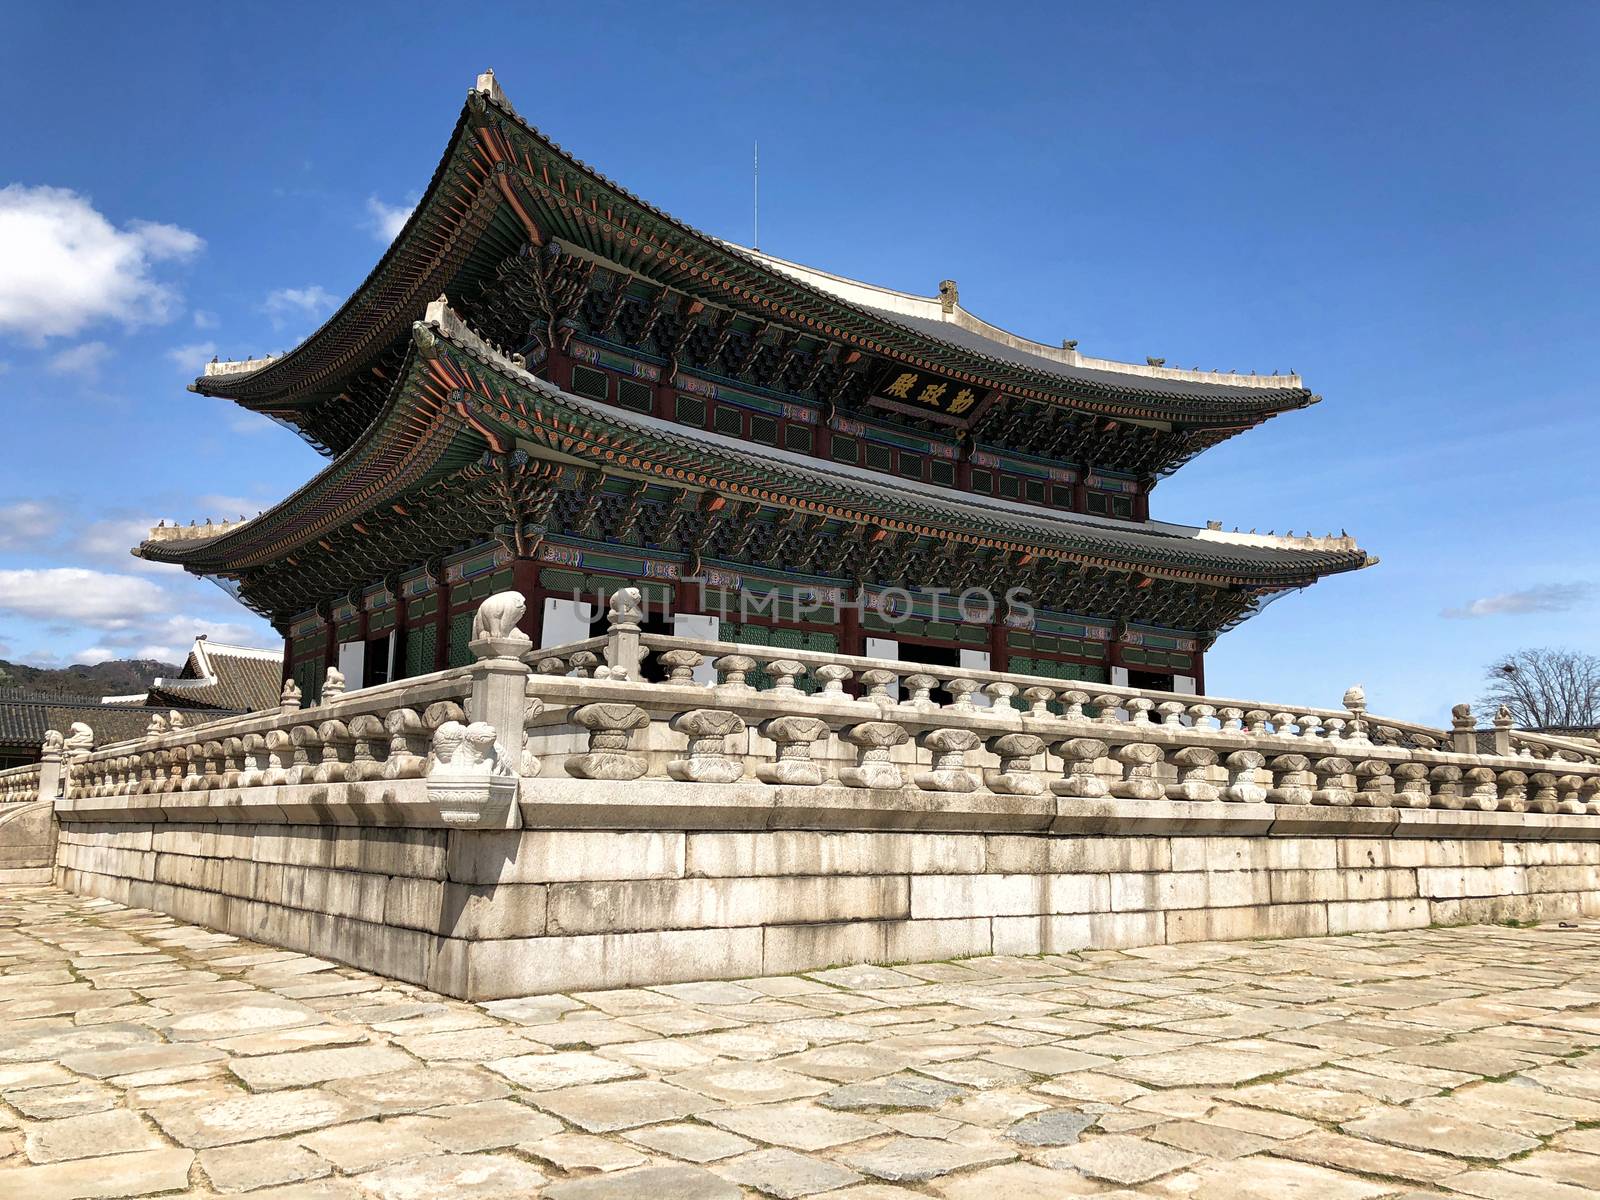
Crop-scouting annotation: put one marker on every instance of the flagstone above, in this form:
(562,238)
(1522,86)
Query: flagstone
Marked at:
(89,1136)
(261,1164)
(648,1183)
(301,1068)
(1118,1159)
(142,1173)
(692,1143)
(567,1068)
(607,1107)
(799,1126)
(246,1117)
(914,1160)
(454,1177)
(785,1174)
(1438,1133)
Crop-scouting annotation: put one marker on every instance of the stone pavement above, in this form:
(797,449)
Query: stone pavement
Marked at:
(141,1056)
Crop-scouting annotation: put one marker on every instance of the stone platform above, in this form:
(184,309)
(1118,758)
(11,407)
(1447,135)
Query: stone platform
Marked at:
(143,1056)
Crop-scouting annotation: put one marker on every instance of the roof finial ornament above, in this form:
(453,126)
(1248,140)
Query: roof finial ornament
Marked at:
(1154,362)
(949,295)
(1069,343)
(489,87)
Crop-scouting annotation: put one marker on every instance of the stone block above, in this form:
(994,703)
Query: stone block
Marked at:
(720,903)
(935,941)
(491,911)
(545,856)
(790,948)
(808,852)
(1454,883)
(1365,916)
(530,966)
(1024,855)
(1240,924)
(414,903)
(419,853)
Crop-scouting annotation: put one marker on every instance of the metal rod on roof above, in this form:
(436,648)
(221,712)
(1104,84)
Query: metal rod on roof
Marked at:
(755,241)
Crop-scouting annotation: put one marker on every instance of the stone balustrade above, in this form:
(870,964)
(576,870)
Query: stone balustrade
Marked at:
(20,785)
(460,743)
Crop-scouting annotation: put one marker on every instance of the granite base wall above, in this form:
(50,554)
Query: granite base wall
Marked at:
(27,844)
(489,914)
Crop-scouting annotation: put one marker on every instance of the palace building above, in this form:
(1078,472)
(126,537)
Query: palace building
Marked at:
(548,384)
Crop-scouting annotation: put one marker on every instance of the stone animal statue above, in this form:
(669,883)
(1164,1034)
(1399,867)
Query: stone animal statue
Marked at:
(498,615)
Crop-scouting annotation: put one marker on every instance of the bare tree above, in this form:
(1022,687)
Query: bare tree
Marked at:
(1546,688)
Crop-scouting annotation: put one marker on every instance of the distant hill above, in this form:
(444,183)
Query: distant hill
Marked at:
(116,677)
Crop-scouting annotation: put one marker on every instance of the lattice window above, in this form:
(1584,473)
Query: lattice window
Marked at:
(690,410)
(420,643)
(797,438)
(728,420)
(460,635)
(763,429)
(785,639)
(635,395)
(911,465)
(586,381)
(942,472)
(877,456)
(1035,491)
(846,449)
(1061,495)
(983,482)
(309,675)
(1010,487)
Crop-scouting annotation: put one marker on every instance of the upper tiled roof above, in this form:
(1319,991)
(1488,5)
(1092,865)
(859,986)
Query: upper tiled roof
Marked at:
(25,717)
(216,675)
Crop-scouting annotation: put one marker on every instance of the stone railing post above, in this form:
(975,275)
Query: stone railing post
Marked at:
(1039,699)
(332,688)
(962,690)
(1194,782)
(1016,752)
(1335,782)
(305,740)
(368,732)
(280,750)
(731,672)
(920,688)
(833,676)
(1502,731)
(1000,694)
(681,665)
(708,731)
(1249,781)
(873,740)
(1483,792)
(878,681)
(1073,701)
(1569,789)
(949,748)
(1141,763)
(1081,781)
(1295,782)
(50,756)
(623,652)
(793,736)
(610,727)
(1543,799)
(408,745)
(336,747)
(499,676)
(1172,712)
(1446,782)
(1412,785)
(1463,730)
(1374,784)
(783,672)
(1513,788)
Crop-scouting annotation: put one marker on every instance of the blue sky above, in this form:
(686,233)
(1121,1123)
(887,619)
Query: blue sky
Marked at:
(1397,201)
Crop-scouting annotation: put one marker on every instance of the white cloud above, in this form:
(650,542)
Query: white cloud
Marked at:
(387,220)
(112,539)
(27,523)
(192,359)
(1542,598)
(205,320)
(288,304)
(77,595)
(67,267)
(84,360)
(170,640)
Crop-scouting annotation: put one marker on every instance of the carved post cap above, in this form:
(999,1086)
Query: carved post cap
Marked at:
(1139,709)
(611,716)
(1001,692)
(791,728)
(1082,749)
(732,668)
(1017,745)
(1039,699)
(707,722)
(625,609)
(872,735)
(949,739)
(784,672)
(1195,756)
(921,688)
(833,676)
(1171,712)
(1141,754)
(878,680)
(680,664)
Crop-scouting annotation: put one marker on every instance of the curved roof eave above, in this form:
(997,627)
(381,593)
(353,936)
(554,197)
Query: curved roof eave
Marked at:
(371,318)
(1155,548)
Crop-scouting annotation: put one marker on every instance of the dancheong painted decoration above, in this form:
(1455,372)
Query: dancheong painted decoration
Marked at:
(546,383)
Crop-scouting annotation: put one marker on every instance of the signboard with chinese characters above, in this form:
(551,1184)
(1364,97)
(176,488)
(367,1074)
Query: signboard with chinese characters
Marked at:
(925,390)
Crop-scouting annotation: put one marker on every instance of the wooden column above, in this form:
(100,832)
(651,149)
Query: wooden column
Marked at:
(288,658)
(999,648)
(851,640)
(525,579)
(397,652)
(441,634)
(1200,672)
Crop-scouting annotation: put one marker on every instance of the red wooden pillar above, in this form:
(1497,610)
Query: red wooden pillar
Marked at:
(399,634)
(441,629)
(288,658)
(1200,673)
(851,640)
(525,579)
(999,648)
